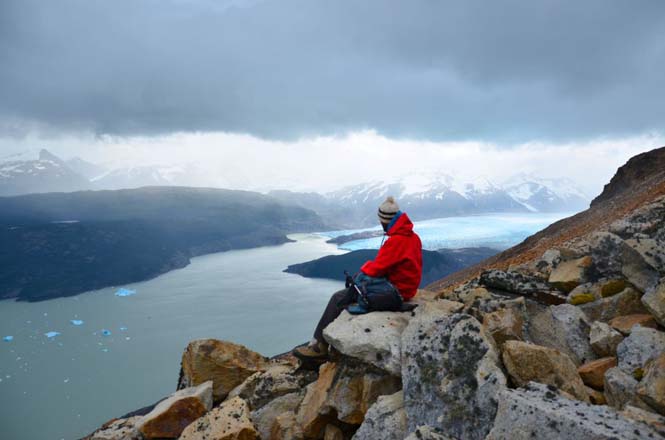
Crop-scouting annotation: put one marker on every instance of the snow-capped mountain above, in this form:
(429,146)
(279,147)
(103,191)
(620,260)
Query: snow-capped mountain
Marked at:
(431,196)
(546,195)
(25,173)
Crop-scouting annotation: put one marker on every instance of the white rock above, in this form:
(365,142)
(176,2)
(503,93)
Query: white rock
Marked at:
(373,338)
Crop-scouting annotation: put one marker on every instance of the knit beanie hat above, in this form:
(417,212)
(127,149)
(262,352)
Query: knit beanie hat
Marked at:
(388,209)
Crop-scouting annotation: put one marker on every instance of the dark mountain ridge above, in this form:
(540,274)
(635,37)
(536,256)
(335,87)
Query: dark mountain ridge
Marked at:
(61,244)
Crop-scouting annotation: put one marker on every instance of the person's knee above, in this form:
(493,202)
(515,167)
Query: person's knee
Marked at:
(337,296)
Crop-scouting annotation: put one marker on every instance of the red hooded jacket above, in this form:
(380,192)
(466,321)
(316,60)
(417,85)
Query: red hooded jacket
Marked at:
(400,259)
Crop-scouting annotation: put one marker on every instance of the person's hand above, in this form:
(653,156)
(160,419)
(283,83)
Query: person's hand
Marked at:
(349,281)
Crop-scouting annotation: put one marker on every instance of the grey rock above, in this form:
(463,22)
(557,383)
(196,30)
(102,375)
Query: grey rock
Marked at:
(614,258)
(450,375)
(511,281)
(642,345)
(620,389)
(654,301)
(604,339)
(427,433)
(647,417)
(627,302)
(385,420)
(265,417)
(566,328)
(539,412)
(373,338)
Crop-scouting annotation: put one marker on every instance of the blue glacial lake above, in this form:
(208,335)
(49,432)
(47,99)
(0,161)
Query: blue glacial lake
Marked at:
(65,386)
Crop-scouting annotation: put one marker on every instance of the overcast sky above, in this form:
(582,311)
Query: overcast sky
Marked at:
(112,80)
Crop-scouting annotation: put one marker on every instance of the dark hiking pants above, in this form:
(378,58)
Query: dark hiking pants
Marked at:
(333,310)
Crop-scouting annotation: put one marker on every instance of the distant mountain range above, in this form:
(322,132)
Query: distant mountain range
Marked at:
(424,196)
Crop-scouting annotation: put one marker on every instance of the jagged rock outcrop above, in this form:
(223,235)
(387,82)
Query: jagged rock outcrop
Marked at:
(538,411)
(225,363)
(450,375)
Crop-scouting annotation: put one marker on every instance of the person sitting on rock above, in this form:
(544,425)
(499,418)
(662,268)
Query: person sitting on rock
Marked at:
(399,261)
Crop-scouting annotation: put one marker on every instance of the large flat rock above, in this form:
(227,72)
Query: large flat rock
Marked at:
(538,412)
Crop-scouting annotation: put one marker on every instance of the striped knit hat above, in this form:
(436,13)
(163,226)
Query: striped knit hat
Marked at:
(388,209)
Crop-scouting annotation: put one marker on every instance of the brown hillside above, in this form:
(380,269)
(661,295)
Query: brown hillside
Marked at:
(636,183)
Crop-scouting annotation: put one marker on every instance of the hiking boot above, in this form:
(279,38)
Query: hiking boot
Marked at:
(317,350)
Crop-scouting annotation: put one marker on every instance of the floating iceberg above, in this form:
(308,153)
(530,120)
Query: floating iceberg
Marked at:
(106,332)
(76,321)
(122,329)
(124,292)
(8,338)
(51,334)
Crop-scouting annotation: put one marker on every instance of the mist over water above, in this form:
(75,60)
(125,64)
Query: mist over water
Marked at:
(79,379)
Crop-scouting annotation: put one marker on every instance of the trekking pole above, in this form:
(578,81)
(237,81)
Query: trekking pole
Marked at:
(352,282)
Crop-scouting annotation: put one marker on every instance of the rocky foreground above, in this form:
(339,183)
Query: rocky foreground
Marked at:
(569,344)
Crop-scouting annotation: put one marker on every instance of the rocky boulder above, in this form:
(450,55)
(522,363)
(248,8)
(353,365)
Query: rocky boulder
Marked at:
(385,420)
(278,380)
(641,346)
(593,373)
(504,325)
(229,421)
(286,427)
(620,389)
(570,274)
(225,363)
(604,339)
(624,324)
(540,412)
(651,388)
(373,338)
(264,417)
(654,301)
(566,328)
(450,375)
(614,258)
(172,415)
(343,392)
(627,302)
(528,362)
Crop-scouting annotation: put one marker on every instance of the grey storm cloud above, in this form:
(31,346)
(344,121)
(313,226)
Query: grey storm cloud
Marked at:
(427,69)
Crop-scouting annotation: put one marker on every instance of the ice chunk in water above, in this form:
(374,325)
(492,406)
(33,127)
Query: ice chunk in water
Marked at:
(8,338)
(124,292)
(51,334)
(76,321)
(106,332)
(122,329)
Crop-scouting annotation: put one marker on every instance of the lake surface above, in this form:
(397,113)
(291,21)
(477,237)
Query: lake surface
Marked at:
(66,386)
